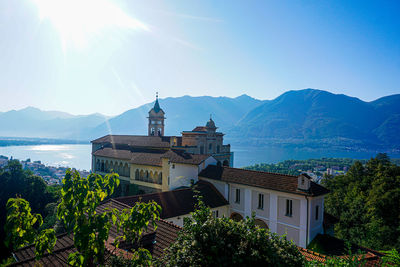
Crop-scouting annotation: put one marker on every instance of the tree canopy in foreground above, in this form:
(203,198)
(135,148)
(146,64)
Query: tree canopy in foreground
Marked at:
(208,241)
(79,199)
(367,202)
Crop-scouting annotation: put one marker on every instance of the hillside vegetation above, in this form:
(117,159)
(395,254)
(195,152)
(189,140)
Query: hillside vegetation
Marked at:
(366,200)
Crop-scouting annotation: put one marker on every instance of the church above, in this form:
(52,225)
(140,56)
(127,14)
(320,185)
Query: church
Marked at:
(155,162)
(165,167)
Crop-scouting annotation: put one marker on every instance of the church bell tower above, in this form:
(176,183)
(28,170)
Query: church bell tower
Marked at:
(156,120)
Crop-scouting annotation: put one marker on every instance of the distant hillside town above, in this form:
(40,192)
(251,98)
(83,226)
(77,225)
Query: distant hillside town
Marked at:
(51,174)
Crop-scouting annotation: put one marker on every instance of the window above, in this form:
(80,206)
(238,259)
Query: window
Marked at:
(237,199)
(209,147)
(316,212)
(217,148)
(215,213)
(260,201)
(289,210)
(173,166)
(201,149)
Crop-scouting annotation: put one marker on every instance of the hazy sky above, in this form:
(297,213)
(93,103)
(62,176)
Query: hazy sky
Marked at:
(109,56)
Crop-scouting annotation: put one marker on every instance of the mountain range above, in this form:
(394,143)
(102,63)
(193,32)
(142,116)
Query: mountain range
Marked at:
(307,117)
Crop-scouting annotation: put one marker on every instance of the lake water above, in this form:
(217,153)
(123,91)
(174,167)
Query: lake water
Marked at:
(75,156)
(79,156)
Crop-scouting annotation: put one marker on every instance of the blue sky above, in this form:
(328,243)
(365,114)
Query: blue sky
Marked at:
(109,56)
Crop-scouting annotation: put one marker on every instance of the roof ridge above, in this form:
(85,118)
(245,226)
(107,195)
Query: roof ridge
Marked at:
(171,224)
(45,254)
(313,252)
(149,194)
(33,244)
(213,188)
(289,175)
(123,204)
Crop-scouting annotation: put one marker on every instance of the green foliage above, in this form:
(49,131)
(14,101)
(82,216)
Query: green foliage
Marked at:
(14,181)
(133,222)
(392,258)
(22,228)
(367,202)
(293,167)
(20,223)
(208,241)
(80,198)
(351,261)
(7,261)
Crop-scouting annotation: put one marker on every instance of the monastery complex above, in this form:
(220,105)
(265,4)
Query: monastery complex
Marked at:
(165,169)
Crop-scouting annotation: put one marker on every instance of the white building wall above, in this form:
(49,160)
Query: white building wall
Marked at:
(205,163)
(316,226)
(223,211)
(296,229)
(182,175)
(220,186)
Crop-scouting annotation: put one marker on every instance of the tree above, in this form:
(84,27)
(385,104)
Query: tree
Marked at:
(21,231)
(15,181)
(208,241)
(80,198)
(367,202)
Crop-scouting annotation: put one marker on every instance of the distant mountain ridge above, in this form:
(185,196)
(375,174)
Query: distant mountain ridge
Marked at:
(182,113)
(308,117)
(313,115)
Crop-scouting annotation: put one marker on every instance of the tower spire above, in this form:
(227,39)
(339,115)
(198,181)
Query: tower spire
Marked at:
(156,119)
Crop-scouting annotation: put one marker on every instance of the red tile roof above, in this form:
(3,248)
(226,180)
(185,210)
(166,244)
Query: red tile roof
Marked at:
(181,201)
(165,234)
(369,258)
(310,255)
(267,180)
(136,140)
(151,157)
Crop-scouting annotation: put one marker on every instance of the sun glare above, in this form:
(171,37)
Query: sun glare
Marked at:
(77,21)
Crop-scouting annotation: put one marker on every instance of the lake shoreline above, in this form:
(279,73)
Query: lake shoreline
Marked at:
(78,156)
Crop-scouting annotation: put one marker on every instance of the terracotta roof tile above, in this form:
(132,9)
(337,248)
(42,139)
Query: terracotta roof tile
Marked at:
(273,181)
(310,255)
(181,201)
(150,157)
(136,140)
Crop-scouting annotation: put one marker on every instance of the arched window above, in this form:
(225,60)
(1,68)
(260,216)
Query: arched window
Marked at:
(236,217)
(159,178)
(261,223)
(107,167)
(137,174)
